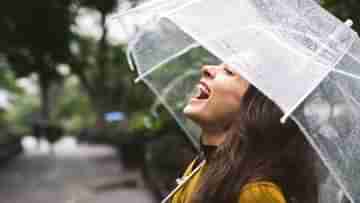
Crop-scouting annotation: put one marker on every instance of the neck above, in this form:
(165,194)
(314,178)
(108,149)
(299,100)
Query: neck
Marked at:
(212,138)
(213,134)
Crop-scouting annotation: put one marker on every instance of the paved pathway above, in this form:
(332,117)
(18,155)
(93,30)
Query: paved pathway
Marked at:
(73,174)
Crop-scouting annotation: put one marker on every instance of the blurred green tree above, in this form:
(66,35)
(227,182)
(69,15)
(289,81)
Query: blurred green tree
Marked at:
(7,78)
(35,38)
(73,110)
(110,87)
(102,68)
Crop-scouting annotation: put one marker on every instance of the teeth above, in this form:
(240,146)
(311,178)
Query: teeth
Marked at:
(199,92)
(203,93)
(203,89)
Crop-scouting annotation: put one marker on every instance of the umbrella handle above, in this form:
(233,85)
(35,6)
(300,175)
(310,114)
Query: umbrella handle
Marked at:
(181,182)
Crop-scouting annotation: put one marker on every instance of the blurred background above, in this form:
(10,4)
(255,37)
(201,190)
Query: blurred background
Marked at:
(73,125)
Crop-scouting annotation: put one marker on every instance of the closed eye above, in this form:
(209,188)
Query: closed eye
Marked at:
(228,71)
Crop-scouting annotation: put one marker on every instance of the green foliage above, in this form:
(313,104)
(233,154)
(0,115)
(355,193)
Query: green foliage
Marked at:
(8,81)
(328,3)
(73,110)
(22,113)
(143,120)
(111,87)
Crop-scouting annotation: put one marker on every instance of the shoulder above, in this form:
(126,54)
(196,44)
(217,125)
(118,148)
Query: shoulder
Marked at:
(261,192)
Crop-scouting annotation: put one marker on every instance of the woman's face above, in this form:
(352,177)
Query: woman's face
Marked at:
(219,96)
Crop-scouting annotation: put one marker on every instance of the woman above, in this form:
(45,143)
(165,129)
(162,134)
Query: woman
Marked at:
(250,156)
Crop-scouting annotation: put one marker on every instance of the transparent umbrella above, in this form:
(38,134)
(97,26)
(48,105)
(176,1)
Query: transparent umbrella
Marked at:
(295,52)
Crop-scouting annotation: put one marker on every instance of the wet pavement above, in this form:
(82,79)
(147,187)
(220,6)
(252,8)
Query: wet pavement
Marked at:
(71,174)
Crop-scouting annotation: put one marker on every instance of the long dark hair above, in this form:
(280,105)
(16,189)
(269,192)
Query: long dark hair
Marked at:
(259,147)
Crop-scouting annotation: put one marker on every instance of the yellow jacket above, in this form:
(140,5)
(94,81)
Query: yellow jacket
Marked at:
(254,192)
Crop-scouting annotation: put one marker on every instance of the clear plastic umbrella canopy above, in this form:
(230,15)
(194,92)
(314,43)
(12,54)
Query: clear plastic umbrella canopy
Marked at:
(295,52)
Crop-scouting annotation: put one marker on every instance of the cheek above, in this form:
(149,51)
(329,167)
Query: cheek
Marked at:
(230,92)
(232,103)
(225,104)
(227,98)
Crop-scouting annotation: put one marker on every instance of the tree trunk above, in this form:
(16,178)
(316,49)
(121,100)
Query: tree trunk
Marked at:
(102,94)
(45,100)
(103,49)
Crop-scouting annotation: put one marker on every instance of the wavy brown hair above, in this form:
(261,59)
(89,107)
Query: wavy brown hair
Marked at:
(259,147)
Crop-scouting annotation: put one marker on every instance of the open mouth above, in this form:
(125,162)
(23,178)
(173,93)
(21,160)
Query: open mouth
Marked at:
(203,91)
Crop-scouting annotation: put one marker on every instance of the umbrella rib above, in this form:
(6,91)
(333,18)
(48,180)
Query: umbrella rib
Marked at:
(347,95)
(346,50)
(293,108)
(323,157)
(130,60)
(166,105)
(172,84)
(130,47)
(165,61)
(353,57)
(347,74)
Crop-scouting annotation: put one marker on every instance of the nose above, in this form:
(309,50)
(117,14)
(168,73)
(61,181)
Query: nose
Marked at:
(208,71)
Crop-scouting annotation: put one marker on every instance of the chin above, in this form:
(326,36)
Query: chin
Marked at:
(189,112)
(196,115)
